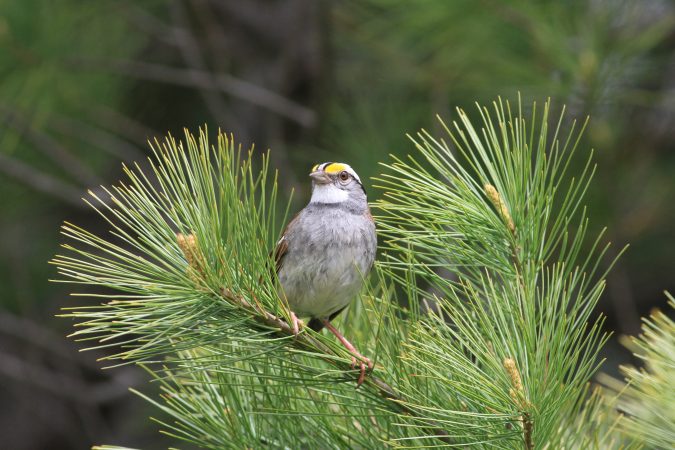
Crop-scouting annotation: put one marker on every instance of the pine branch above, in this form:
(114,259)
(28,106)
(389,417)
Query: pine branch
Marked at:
(306,341)
(646,400)
(189,264)
(498,355)
(513,340)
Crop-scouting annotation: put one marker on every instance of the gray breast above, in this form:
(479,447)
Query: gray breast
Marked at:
(331,249)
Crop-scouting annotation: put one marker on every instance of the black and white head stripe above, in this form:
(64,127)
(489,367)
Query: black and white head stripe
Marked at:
(333,168)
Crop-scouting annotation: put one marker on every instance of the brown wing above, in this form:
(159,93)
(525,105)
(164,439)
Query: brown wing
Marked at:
(282,245)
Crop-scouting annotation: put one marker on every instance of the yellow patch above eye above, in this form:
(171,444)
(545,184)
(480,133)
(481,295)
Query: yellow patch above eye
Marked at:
(315,167)
(335,168)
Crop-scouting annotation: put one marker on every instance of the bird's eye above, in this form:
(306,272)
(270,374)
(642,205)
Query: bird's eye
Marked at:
(344,175)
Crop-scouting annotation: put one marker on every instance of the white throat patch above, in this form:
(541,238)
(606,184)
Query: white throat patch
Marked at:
(328,193)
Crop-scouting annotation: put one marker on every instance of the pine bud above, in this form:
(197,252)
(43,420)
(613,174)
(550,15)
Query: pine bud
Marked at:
(498,202)
(189,247)
(517,393)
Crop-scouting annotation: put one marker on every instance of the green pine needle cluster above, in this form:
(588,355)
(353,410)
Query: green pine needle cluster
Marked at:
(478,316)
(488,235)
(156,303)
(647,400)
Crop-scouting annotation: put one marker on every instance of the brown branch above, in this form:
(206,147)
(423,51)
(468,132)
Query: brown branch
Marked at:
(527,431)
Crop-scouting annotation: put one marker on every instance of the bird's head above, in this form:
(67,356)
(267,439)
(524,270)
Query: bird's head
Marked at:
(334,182)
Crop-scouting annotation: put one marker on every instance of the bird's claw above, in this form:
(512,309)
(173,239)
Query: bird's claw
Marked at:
(363,363)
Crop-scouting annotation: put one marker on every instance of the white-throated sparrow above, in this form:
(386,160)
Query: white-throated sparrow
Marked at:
(327,250)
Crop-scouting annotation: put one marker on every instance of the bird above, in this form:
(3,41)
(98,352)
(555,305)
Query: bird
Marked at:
(326,251)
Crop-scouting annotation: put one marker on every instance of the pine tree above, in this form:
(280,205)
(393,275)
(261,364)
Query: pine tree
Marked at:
(479,314)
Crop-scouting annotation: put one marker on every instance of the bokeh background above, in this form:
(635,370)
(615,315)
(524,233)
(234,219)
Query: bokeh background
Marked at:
(84,85)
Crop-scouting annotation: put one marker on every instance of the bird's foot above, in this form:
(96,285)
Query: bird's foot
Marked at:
(295,324)
(357,358)
(362,363)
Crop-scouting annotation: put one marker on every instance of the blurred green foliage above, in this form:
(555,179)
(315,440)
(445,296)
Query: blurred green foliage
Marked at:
(84,84)
(49,89)
(48,73)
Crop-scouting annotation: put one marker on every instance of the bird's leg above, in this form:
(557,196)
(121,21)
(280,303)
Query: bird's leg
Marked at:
(348,345)
(295,324)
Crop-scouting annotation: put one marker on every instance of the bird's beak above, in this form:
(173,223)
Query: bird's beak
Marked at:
(320,177)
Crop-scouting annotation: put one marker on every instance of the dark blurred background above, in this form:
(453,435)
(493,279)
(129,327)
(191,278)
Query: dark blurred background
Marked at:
(83,85)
